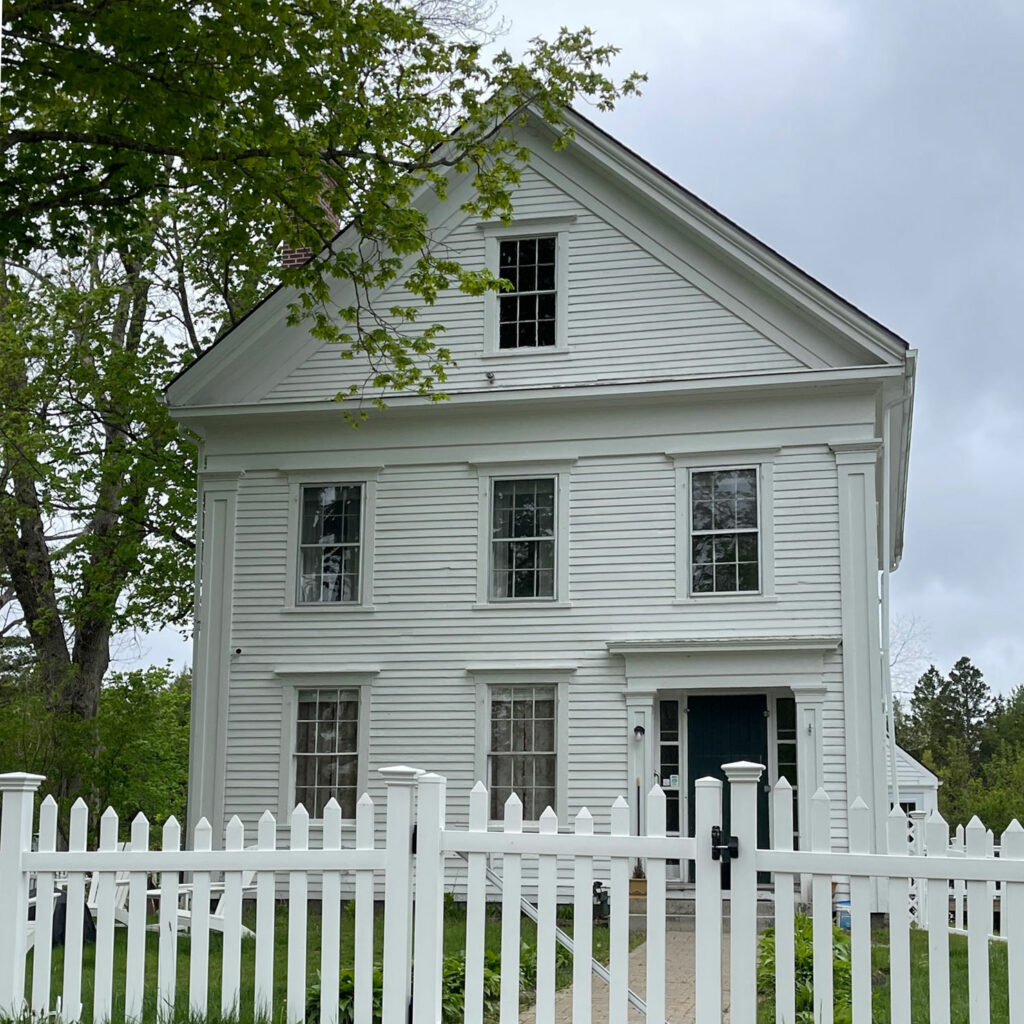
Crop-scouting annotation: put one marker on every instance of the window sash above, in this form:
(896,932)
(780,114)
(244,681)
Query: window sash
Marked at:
(522,742)
(525,318)
(330,543)
(326,749)
(721,558)
(523,517)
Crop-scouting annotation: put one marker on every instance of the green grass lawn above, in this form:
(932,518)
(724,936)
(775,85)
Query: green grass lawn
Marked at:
(454,942)
(920,1012)
(998,991)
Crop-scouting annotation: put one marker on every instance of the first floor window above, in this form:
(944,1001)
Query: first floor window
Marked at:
(523,539)
(521,758)
(326,750)
(330,543)
(724,542)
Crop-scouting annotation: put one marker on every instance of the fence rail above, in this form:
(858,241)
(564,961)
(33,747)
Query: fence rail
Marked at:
(120,885)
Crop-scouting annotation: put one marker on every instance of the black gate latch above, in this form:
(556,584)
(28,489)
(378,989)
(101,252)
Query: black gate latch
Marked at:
(724,852)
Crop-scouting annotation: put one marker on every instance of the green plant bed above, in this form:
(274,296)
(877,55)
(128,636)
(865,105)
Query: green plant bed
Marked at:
(880,977)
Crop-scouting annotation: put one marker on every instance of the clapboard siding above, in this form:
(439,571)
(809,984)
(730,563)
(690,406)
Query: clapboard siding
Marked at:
(630,317)
(426,629)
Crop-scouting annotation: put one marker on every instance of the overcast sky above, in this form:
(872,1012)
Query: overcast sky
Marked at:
(880,147)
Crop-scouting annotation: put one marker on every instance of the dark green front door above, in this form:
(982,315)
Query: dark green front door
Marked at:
(720,730)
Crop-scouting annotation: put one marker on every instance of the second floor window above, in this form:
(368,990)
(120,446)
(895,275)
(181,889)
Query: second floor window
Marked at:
(330,543)
(526,314)
(523,539)
(724,542)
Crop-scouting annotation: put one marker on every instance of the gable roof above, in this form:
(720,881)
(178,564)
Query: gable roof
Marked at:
(716,231)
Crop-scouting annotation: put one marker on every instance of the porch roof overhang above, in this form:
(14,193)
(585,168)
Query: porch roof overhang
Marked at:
(725,663)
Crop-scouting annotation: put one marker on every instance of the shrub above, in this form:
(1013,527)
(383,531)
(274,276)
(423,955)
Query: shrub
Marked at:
(803,948)
(453,989)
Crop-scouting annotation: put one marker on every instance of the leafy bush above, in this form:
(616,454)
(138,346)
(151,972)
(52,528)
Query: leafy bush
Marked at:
(453,988)
(803,947)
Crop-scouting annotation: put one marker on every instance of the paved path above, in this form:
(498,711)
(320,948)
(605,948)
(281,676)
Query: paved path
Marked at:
(679,985)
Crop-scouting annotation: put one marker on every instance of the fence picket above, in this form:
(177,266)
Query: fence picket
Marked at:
(655,996)
(785,967)
(103,984)
(362,955)
(428,950)
(583,923)
(708,912)
(821,896)
(199,926)
(75,917)
(330,919)
(1011,920)
(167,955)
(512,866)
(618,923)
(937,917)
(231,907)
(476,905)
(547,906)
(979,923)
(744,778)
(860,916)
(135,963)
(42,950)
(298,893)
(899,920)
(263,982)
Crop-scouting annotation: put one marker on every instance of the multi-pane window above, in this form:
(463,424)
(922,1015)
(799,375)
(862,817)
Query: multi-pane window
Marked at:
(521,758)
(526,313)
(523,539)
(329,543)
(724,532)
(326,750)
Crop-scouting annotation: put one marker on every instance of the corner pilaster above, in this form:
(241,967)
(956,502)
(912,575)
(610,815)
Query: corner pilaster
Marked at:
(857,471)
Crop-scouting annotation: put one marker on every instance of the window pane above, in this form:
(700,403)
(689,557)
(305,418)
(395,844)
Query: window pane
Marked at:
(701,483)
(748,576)
(546,332)
(725,577)
(546,250)
(724,514)
(546,281)
(703,579)
(746,512)
(725,548)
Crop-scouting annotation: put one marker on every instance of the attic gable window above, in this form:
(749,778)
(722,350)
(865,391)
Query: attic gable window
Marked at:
(526,313)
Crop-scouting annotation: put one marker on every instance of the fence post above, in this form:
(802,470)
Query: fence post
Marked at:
(401,782)
(743,777)
(18,790)
(429,918)
(708,912)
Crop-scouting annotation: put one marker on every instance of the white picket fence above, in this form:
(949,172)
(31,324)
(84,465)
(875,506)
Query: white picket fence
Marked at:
(409,879)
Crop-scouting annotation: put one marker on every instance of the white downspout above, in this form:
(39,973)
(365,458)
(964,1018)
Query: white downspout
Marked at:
(894,789)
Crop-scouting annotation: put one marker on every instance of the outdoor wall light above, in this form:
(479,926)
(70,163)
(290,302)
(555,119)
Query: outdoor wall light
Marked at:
(639,732)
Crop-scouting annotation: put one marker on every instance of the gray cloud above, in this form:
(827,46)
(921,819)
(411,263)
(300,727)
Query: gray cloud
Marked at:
(879,146)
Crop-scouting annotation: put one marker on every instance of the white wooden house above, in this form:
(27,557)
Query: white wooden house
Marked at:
(644,536)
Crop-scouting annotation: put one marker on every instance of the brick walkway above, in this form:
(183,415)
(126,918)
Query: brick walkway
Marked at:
(679,985)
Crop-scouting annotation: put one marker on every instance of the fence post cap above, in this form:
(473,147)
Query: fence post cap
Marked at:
(743,771)
(708,782)
(430,778)
(20,782)
(401,773)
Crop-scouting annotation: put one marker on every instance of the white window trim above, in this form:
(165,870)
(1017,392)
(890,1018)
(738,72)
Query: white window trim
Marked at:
(528,227)
(294,679)
(761,459)
(517,470)
(367,478)
(557,676)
